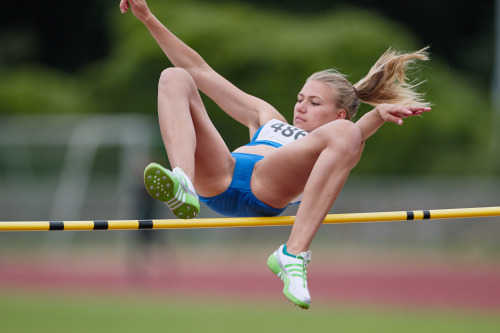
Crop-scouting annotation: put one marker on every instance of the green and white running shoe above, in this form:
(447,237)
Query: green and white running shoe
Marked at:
(172,188)
(292,271)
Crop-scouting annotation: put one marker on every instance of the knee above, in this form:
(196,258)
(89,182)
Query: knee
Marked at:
(175,76)
(344,136)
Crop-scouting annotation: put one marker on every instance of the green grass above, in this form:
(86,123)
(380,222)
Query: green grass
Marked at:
(43,312)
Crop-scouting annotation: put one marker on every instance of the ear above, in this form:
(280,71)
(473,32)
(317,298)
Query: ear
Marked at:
(341,114)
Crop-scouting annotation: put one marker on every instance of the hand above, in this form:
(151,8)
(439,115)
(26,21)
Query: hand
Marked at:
(395,113)
(139,8)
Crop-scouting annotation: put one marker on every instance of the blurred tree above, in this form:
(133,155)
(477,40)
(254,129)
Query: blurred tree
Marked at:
(460,32)
(67,35)
(268,53)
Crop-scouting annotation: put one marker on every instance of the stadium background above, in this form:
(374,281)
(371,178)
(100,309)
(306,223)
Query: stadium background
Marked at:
(78,124)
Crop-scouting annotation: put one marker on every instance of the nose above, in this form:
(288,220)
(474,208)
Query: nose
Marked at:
(300,107)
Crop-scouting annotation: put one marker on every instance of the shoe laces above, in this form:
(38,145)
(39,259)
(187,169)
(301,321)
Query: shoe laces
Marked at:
(184,183)
(300,270)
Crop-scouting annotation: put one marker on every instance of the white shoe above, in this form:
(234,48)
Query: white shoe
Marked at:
(292,271)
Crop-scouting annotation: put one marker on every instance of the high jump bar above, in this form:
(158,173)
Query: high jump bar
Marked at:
(413,215)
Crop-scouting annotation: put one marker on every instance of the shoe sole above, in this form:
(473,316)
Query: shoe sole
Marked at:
(272,263)
(160,185)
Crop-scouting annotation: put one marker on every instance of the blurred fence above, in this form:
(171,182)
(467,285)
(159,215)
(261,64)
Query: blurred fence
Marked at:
(90,167)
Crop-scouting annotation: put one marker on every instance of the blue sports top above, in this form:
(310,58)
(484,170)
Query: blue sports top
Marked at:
(276,133)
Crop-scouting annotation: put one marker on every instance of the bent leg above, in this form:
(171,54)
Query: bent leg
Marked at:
(317,165)
(191,140)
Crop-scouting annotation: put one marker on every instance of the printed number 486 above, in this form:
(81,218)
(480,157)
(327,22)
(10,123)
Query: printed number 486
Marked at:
(288,131)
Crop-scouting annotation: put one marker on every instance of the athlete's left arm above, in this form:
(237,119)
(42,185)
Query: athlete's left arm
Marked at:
(373,120)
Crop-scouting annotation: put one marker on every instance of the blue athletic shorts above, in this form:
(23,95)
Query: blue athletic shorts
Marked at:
(238,200)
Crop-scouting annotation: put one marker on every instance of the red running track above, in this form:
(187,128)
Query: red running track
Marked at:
(453,287)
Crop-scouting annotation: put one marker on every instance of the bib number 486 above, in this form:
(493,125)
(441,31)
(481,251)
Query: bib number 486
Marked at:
(288,131)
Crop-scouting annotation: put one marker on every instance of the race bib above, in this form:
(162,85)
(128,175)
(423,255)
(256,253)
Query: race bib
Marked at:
(279,132)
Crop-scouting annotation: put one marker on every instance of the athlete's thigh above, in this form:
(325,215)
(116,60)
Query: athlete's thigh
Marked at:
(214,165)
(282,175)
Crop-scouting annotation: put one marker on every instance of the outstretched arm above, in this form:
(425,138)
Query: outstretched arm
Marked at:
(248,110)
(373,120)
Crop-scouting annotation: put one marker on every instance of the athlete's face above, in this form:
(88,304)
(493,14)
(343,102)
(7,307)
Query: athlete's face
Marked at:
(315,106)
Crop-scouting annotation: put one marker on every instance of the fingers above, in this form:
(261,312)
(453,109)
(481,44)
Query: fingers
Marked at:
(396,113)
(399,112)
(408,111)
(124,6)
(417,110)
(393,119)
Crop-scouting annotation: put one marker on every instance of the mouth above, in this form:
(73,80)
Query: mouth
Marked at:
(300,119)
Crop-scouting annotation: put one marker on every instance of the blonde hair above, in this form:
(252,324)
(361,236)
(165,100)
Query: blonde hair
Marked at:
(386,82)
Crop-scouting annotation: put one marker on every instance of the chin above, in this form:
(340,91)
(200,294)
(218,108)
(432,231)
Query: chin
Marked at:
(299,126)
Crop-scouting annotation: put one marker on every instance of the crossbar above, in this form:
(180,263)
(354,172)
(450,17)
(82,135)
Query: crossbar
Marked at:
(413,215)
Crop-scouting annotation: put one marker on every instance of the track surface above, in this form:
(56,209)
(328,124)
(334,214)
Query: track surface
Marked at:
(355,282)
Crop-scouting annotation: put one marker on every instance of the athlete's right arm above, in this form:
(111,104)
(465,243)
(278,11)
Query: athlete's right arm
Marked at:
(246,109)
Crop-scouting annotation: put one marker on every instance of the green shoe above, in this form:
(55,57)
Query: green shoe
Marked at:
(173,189)
(292,271)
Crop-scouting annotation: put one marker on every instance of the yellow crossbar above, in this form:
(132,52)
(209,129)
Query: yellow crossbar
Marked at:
(247,221)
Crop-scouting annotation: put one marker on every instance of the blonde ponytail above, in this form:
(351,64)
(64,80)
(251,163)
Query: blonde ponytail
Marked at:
(386,82)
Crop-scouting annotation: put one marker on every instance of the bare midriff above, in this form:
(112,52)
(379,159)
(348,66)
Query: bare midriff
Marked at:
(262,150)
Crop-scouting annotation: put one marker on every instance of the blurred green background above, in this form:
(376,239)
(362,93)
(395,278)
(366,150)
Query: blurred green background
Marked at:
(62,59)
(78,124)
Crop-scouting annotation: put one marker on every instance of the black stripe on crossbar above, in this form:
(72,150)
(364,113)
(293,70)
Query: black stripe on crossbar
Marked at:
(56,225)
(145,224)
(427,214)
(410,215)
(101,225)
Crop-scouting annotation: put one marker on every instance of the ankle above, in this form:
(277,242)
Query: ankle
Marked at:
(285,252)
(291,250)
(179,172)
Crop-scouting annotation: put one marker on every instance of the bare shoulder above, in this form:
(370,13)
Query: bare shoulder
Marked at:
(264,112)
(270,113)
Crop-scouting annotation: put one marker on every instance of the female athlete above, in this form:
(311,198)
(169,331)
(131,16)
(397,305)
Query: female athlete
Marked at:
(307,162)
